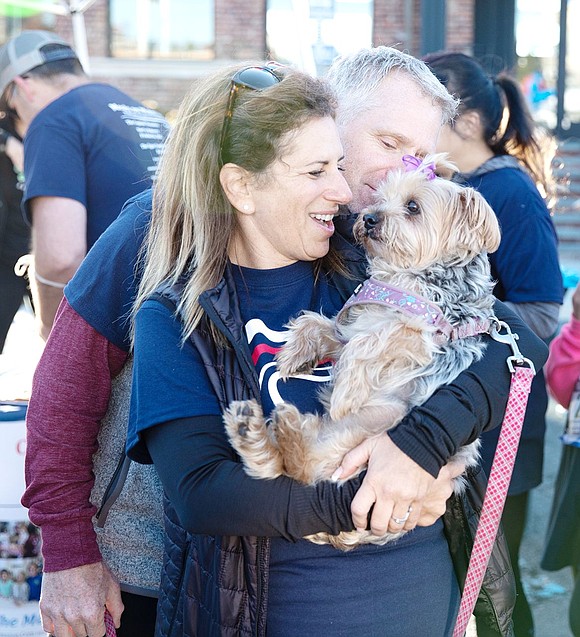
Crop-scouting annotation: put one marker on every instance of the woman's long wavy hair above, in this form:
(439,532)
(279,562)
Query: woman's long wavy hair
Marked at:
(193,222)
(509,127)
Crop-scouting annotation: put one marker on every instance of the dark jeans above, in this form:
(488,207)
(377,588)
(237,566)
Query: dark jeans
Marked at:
(574,613)
(138,618)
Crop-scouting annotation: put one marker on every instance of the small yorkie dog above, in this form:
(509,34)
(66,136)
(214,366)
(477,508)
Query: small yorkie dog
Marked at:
(413,326)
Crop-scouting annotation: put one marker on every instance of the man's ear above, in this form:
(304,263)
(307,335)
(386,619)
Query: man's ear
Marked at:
(236,182)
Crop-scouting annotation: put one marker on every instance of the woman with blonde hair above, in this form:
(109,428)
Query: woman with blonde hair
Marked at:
(193,218)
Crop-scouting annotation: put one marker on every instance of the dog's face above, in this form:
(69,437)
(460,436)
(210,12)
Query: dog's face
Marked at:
(417,222)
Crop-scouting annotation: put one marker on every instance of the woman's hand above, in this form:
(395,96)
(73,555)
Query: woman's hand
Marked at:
(15,151)
(393,488)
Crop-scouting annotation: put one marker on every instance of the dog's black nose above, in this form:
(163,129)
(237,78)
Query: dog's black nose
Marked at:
(371,220)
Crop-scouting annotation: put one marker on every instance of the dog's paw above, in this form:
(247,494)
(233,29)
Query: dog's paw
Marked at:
(295,357)
(301,352)
(285,417)
(241,418)
(250,437)
(290,365)
(295,436)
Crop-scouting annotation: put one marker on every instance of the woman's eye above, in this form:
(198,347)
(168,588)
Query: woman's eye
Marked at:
(413,207)
(316,173)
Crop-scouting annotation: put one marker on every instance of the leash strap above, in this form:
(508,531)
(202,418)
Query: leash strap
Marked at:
(109,625)
(499,479)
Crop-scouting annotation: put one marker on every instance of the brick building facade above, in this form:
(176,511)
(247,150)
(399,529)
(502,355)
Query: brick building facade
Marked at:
(240,33)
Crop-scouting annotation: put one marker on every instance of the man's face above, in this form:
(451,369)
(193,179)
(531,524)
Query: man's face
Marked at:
(401,121)
(25,96)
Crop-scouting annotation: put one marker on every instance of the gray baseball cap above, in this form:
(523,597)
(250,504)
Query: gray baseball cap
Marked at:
(25,52)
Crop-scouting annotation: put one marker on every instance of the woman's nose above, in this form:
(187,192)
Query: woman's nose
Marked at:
(342,193)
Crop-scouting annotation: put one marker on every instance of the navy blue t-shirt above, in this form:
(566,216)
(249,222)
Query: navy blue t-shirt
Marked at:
(525,265)
(103,289)
(170,383)
(95,145)
(527,270)
(268,300)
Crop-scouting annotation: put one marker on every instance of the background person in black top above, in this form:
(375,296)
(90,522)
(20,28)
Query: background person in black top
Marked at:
(14,231)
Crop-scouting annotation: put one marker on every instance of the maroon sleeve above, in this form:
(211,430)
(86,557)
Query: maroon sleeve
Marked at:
(70,395)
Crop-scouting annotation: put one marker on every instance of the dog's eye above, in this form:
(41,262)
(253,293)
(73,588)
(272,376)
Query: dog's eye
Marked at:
(413,207)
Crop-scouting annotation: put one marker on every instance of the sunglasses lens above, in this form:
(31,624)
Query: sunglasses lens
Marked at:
(256,78)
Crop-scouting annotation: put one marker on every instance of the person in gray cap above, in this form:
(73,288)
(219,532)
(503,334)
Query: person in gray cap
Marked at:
(88,148)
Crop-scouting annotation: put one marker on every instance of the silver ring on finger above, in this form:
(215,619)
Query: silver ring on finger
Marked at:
(404,518)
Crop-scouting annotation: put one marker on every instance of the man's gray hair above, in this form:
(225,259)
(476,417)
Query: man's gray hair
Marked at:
(356,77)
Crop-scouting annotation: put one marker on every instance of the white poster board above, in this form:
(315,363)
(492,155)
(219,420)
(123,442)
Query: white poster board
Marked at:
(20,558)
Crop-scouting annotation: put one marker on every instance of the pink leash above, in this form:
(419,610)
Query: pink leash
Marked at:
(499,477)
(109,625)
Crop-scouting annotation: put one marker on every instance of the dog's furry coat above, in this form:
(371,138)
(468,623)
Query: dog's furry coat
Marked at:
(427,236)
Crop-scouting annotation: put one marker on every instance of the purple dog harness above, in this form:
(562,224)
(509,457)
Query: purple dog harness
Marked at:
(376,292)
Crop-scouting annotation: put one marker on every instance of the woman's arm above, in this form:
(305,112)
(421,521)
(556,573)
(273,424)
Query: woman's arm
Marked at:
(213,495)
(563,366)
(176,422)
(70,396)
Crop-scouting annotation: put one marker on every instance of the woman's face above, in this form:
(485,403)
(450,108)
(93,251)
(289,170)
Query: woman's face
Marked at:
(289,213)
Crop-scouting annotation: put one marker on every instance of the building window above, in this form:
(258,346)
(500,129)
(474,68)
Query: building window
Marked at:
(162,29)
(310,33)
(537,46)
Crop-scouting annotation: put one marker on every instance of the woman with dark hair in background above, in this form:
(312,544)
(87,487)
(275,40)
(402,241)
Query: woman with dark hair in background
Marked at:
(500,151)
(14,231)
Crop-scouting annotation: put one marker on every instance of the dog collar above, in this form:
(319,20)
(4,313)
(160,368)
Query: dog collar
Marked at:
(377,292)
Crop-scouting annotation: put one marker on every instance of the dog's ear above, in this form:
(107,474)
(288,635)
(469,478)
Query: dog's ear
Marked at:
(481,220)
(444,167)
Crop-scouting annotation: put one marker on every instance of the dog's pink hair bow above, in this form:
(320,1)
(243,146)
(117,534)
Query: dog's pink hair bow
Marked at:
(414,163)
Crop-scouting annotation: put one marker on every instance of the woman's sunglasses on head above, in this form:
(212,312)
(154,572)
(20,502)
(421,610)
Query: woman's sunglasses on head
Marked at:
(255,78)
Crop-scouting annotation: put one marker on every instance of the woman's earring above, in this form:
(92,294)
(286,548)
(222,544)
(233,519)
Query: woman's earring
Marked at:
(246,207)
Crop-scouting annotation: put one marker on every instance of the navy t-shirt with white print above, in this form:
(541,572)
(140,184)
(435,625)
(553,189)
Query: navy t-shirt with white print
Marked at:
(95,145)
(268,300)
